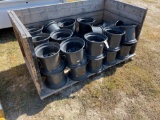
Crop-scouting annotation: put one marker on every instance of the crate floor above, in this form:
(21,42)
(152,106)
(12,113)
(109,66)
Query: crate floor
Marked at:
(46,92)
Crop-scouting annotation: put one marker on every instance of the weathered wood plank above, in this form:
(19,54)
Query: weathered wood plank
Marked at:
(98,16)
(56,7)
(126,10)
(112,17)
(28,56)
(32,59)
(51,15)
(13,21)
(20,43)
(31,17)
(17,33)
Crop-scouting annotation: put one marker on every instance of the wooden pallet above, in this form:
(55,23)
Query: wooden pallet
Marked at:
(107,10)
(69,83)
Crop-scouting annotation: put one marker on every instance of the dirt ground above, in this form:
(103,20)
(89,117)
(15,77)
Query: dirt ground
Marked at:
(125,92)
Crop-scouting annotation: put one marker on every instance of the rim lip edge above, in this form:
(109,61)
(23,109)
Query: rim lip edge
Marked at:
(54,32)
(44,45)
(49,23)
(73,39)
(67,25)
(40,40)
(127,26)
(122,32)
(78,20)
(94,33)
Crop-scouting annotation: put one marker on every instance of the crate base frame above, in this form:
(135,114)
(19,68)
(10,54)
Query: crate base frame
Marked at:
(48,92)
(100,10)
